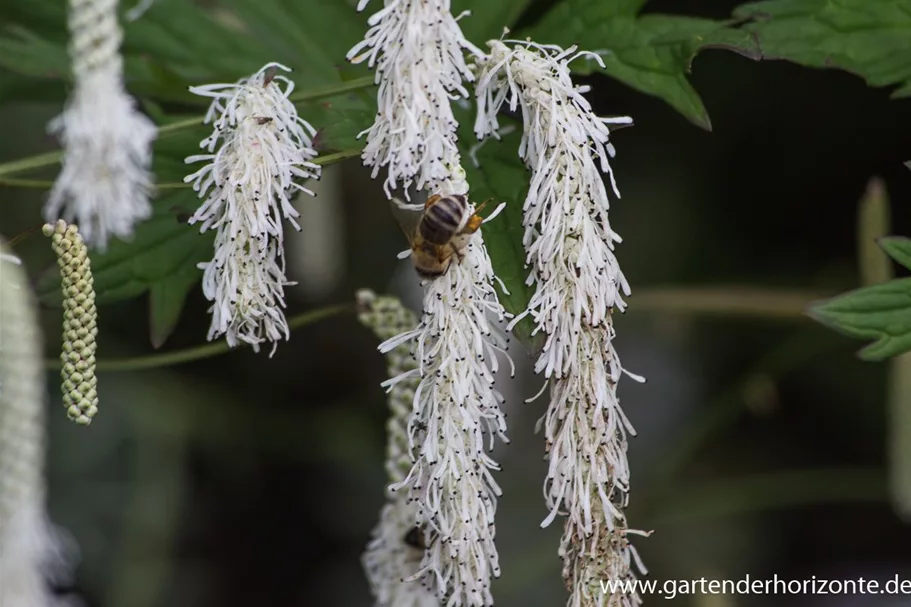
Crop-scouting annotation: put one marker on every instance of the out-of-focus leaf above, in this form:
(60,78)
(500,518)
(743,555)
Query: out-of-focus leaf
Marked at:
(501,177)
(652,54)
(166,300)
(25,52)
(488,18)
(881,312)
(870,38)
(161,247)
(310,37)
(338,121)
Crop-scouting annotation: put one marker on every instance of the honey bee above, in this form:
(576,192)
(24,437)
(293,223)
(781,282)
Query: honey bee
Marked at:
(438,231)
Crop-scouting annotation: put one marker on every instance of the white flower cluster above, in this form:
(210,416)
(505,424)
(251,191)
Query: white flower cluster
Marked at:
(416,47)
(263,152)
(104,183)
(578,285)
(393,556)
(456,417)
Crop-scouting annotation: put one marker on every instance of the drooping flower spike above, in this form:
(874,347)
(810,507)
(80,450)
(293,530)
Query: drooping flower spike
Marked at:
(33,552)
(104,182)
(455,419)
(258,155)
(578,284)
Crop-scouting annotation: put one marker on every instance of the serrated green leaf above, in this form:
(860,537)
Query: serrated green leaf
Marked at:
(870,38)
(898,248)
(501,177)
(652,54)
(166,301)
(881,312)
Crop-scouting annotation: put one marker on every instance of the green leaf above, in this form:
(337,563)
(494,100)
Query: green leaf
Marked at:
(166,300)
(501,177)
(161,247)
(898,248)
(310,37)
(338,122)
(488,18)
(652,54)
(870,38)
(881,312)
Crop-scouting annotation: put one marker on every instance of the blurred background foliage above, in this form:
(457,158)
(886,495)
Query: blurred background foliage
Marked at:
(764,444)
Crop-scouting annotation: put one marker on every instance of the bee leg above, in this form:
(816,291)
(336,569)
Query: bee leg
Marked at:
(476,220)
(473,224)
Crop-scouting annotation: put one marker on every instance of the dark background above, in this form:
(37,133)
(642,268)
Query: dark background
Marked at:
(763,443)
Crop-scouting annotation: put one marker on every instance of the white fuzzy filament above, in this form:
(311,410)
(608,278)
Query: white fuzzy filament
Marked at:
(104,183)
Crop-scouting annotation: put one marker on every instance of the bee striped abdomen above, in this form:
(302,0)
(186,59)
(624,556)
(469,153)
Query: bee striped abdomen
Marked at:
(442,219)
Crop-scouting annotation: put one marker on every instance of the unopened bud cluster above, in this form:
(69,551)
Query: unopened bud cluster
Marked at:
(397,547)
(80,396)
(386,317)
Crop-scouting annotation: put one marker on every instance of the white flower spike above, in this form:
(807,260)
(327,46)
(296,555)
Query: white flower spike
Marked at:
(417,49)
(258,153)
(104,182)
(33,552)
(456,417)
(578,283)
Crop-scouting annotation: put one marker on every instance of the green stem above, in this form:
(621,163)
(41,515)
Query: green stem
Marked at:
(169,359)
(763,492)
(49,158)
(173,185)
(727,300)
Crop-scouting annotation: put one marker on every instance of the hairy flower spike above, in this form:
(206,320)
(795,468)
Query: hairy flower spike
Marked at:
(32,551)
(394,553)
(80,395)
(416,47)
(104,183)
(456,412)
(263,152)
(578,283)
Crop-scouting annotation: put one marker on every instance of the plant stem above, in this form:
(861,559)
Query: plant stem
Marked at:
(169,359)
(726,300)
(49,158)
(172,185)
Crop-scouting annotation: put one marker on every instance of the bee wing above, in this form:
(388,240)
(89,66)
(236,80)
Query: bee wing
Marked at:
(408,216)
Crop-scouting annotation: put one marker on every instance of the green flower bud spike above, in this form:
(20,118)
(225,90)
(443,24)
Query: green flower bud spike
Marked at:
(386,317)
(80,395)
